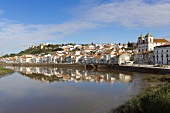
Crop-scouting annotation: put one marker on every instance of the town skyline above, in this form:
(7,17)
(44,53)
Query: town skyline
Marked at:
(27,23)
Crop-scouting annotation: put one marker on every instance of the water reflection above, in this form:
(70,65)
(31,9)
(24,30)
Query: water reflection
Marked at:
(69,90)
(57,74)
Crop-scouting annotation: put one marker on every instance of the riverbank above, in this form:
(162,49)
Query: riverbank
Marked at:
(4,71)
(151,100)
(152,70)
(108,67)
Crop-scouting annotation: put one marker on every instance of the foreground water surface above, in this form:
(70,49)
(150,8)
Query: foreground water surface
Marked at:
(55,90)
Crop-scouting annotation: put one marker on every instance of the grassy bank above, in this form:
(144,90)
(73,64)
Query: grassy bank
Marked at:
(158,78)
(5,71)
(151,100)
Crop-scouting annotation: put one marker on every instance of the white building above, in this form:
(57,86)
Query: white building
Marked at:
(122,58)
(148,43)
(162,54)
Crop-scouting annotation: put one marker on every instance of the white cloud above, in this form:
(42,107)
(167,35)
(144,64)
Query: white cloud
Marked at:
(131,13)
(14,35)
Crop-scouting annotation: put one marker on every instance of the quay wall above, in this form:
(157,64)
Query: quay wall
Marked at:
(154,70)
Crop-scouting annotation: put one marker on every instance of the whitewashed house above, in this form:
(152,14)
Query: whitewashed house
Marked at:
(26,58)
(146,57)
(122,58)
(162,54)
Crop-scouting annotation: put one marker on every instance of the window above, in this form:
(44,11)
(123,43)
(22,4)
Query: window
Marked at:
(167,50)
(162,51)
(150,40)
(157,60)
(167,61)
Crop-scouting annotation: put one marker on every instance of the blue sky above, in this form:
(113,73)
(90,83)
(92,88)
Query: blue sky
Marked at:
(30,22)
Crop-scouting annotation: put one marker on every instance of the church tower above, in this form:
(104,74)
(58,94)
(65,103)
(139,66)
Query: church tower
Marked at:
(140,43)
(149,45)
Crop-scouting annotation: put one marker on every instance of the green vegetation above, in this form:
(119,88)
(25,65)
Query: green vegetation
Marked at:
(151,100)
(158,78)
(38,50)
(130,48)
(5,71)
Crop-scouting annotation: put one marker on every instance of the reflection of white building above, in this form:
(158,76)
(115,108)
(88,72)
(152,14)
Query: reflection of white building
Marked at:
(125,78)
(71,75)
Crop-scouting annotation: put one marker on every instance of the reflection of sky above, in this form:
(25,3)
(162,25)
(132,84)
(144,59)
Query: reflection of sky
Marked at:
(20,94)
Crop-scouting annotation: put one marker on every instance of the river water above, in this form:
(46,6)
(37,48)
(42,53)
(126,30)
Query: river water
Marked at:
(56,90)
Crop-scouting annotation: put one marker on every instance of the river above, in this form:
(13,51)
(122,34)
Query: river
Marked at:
(56,90)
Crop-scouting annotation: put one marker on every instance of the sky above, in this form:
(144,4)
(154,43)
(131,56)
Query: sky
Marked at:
(24,23)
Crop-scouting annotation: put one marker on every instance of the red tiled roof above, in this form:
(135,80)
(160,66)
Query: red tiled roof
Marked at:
(98,56)
(160,40)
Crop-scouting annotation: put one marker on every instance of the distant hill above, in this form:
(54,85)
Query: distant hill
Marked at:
(41,49)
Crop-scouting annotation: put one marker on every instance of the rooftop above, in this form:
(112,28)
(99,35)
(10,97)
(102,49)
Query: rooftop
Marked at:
(160,40)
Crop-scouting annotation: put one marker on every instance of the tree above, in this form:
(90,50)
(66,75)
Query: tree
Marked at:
(130,44)
(6,55)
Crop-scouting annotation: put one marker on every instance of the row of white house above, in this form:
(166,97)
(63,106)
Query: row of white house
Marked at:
(149,51)
(109,56)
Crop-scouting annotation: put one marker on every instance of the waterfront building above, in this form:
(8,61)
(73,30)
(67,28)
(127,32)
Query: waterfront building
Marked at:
(122,58)
(145,47)
(162,54)
(148,42)
(144,58)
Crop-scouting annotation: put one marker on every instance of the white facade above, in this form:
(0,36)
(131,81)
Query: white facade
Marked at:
(162,54)
(122,59)
(148,43)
